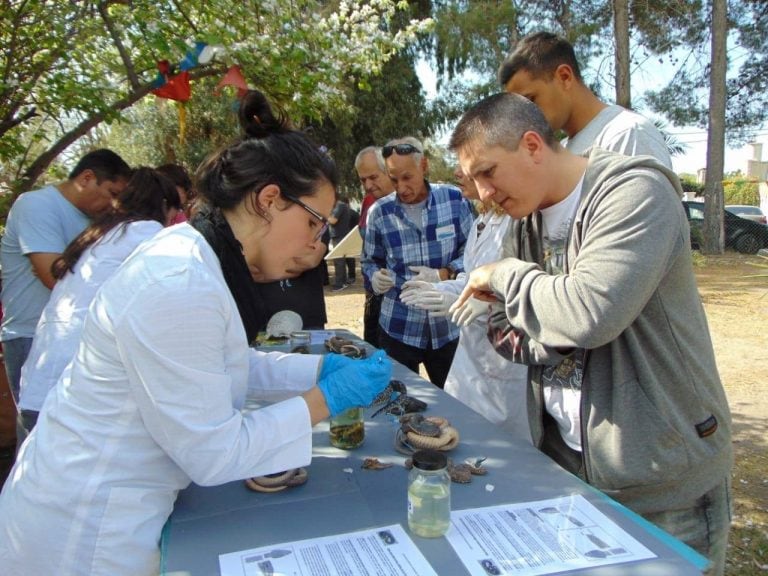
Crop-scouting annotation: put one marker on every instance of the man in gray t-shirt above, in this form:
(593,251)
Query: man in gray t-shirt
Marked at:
(39,227)
(544,69)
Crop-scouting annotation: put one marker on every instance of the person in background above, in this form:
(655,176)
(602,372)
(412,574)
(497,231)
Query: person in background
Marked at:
(479,377)
(623,388)
(302,292)
(544,69)
(416,234)
(180,178)
(149,202)
(39,227)
(152,400)
(342,221)
(374,179)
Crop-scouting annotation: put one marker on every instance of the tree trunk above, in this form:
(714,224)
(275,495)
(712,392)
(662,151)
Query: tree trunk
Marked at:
(621,60)
(713,241)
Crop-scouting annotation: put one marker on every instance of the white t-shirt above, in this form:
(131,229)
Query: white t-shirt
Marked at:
(620,130)
(562,383)
(61,323)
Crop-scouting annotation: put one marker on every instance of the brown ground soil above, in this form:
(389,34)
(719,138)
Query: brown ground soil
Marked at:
(737,310)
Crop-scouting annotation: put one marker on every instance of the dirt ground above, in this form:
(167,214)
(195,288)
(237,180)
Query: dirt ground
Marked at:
(737,310)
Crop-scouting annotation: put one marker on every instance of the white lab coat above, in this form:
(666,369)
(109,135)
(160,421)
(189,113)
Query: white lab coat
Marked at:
(479,377)
(151,402)
(58,331)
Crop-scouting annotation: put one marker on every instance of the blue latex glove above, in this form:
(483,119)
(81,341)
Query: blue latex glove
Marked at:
(357,384)
(333,362)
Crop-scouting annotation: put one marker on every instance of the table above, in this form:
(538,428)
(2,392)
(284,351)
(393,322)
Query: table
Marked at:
(210,521)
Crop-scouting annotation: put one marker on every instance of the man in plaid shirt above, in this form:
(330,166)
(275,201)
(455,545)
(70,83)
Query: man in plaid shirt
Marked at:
(416,234)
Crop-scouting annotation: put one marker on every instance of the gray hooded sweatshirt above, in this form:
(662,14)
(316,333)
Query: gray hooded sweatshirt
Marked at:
(655,423)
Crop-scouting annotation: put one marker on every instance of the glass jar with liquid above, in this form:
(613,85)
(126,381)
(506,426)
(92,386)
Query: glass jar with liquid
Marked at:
(347,429)
(429,494)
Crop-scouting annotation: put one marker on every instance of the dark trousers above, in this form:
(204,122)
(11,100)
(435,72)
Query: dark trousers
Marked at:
(371,314)
(436,361)
(343,270)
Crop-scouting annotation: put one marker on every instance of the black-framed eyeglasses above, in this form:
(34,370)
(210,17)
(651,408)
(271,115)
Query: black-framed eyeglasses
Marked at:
(401,149)
(315,213)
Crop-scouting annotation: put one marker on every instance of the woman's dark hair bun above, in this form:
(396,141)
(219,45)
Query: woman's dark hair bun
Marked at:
(257,118)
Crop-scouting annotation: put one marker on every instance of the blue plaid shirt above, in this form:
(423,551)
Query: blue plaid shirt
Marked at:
(392,241)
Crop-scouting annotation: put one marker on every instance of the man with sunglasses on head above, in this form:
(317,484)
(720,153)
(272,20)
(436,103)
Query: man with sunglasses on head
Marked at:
(416,234)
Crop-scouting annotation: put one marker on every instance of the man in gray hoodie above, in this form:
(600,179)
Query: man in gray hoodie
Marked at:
(597,295)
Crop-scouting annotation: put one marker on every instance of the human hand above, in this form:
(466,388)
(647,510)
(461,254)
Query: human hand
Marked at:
(333,362)
(425,274)
(357,384)
(382,280)
(425,296)
(465,314)
(478,286)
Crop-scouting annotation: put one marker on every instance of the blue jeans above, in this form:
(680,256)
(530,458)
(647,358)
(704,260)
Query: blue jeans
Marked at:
(703,525)
(15,353)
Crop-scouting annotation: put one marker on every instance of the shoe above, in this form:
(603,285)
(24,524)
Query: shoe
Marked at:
(340,288)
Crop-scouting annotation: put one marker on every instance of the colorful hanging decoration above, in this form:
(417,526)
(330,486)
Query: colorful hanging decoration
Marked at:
(175,86)
(234,77)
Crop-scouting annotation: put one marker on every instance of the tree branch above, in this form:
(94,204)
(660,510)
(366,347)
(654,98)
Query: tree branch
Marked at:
(13,122)
(44,160)
(127,62)
(184,15)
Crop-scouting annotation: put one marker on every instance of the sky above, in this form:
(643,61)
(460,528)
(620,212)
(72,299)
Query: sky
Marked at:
(695,156)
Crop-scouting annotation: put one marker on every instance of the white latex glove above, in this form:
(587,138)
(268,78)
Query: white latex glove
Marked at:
(464,314)
(382,280)
(425,274)
(425,296)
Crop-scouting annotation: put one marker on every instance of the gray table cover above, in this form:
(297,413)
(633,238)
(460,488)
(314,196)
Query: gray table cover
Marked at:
(210,521)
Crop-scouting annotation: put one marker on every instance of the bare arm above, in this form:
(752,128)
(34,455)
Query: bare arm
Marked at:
(41,267)
(318,409)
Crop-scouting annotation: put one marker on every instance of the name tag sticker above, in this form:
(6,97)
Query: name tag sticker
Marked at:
(444,232)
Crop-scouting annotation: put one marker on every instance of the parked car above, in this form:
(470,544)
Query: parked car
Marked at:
(741,234)
(753,213)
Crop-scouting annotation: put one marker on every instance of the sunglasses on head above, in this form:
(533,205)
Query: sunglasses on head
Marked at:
(401,149)
(323,220)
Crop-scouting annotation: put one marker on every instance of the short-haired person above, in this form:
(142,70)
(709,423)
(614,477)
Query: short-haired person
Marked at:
(39,227)
(544,69)
(418,233)
(374,179)
(152,400)
(149,202)
(623,386)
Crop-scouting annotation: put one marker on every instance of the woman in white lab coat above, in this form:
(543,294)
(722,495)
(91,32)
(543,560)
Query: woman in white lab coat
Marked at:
(479,377)
(152,399)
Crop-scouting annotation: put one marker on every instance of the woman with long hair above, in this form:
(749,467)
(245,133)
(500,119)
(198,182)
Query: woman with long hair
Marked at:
(153,398)
(146,204)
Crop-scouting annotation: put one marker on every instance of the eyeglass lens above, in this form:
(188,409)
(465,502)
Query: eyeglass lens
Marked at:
(324,221)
